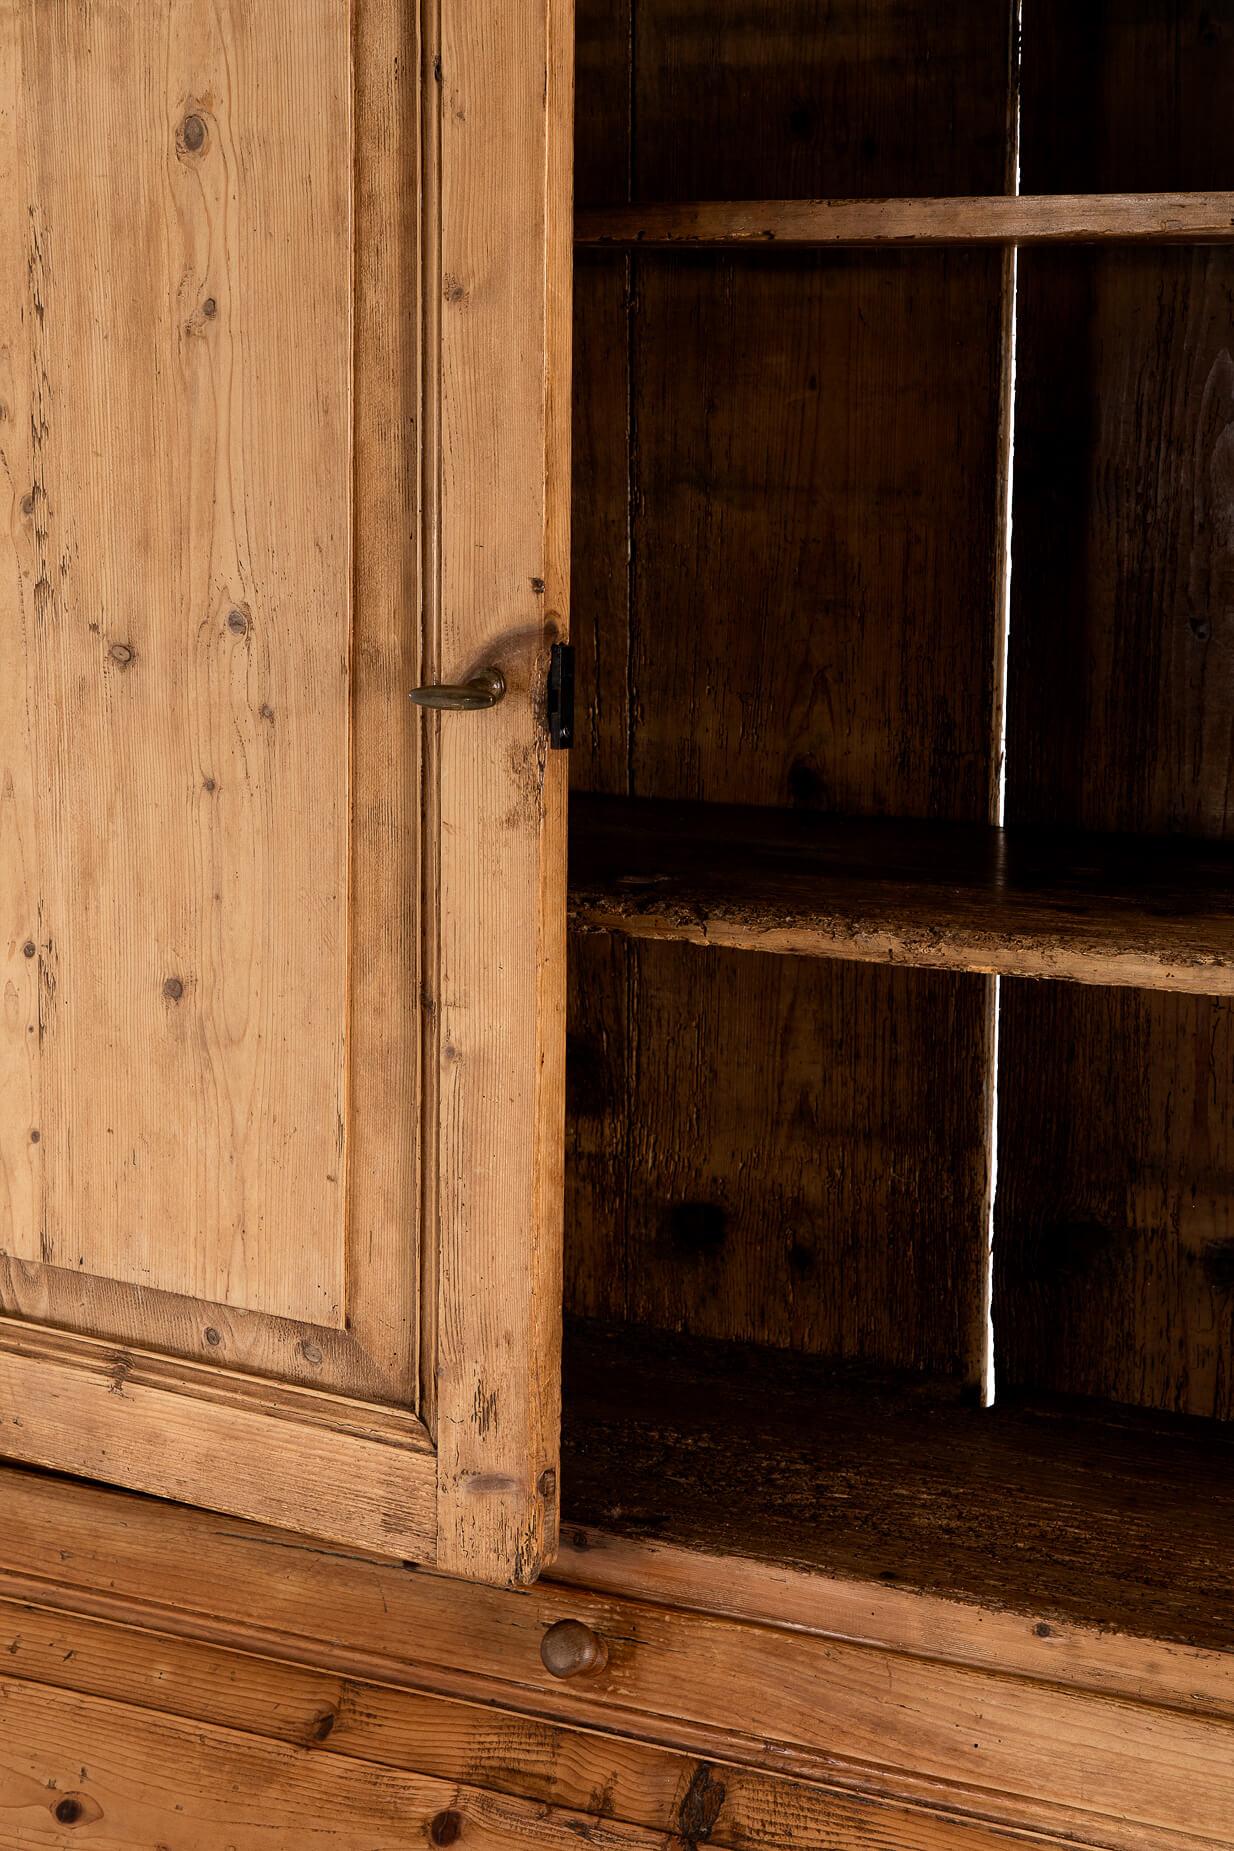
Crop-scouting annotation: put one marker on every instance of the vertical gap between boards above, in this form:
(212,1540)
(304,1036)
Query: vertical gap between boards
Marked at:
(1006,479)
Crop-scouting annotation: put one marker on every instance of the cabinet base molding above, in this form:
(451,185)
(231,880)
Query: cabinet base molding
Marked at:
(187,1660)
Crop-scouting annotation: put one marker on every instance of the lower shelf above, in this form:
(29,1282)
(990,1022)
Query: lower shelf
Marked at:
(1101,1516)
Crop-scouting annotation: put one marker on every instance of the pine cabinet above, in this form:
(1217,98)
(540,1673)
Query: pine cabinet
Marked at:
(813,1170)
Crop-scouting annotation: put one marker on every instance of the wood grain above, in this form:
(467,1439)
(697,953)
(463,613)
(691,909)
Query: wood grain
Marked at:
(839,1470)
(502,214)
(1143,218)
(1009,1752)
(330,1466)
(782,639)
(617,1779)
(1157,914)
(782,1148)
(135,1777)
(183,636)
(177,627)
(818,99)
(1115,1214)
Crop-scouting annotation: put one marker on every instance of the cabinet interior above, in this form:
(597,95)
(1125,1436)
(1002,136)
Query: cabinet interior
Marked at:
(900,1189)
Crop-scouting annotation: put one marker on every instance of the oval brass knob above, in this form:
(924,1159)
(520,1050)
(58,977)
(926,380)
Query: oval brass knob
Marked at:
(569,1648)
(484,689)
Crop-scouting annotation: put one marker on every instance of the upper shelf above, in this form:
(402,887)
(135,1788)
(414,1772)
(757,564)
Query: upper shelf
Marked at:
(1048,218)
(1023,903)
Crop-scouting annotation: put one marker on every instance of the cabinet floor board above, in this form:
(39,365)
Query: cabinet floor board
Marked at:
(1058,1506)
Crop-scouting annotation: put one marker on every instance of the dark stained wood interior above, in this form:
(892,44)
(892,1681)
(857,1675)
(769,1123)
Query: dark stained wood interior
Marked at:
(1153,913)
(787,606)
(1061,1507)
(784,594)
(1114,1237)
(778,1146)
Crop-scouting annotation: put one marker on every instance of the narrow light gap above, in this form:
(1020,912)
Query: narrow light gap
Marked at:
(989,1372)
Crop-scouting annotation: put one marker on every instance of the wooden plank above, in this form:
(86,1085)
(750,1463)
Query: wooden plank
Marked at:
(135,1777)
(851,1474)
(1157,914)
(1049,218)
(642,1566)
(777,1155)
(879,1724)
(177,629)
(502,221)
(191,1573)
(260,1449)
(1116,1213)
(766,435)
(618,1779)
(385,1050)
(871,98)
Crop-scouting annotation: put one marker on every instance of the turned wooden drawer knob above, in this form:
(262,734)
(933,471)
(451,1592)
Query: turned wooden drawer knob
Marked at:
(569,1648)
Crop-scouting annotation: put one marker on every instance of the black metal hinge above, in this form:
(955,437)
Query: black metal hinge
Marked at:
(561,696)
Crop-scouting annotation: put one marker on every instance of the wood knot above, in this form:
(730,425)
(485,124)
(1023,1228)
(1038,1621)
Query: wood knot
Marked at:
(191,136)
(700,1807)
(173,989)
(122,654)
(445,1829)
(237,623)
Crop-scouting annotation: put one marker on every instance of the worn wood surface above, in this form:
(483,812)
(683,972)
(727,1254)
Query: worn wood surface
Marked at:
(809,1464)
(243,1444)
(1144,218)
(178,649)
(817,99)
(1009,1752)
(242,875)
(501,109)
(781,1148)
(135,1777)
(1156,914)
(607,1779)
(1116,1213)
(749,623)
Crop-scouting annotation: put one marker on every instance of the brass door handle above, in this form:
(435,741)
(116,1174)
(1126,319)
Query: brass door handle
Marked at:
(483,690)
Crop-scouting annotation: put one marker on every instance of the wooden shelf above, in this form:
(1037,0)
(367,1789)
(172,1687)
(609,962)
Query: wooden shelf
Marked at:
(1052,218)
(1090,909)
(1101,1516)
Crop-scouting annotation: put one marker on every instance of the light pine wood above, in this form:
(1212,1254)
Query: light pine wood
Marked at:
(502,116)
(1017,1753)
(1094,218)
(260,352)
(1154,914)
(332,1467)
(133,1777)
(178,623)
(626,1781)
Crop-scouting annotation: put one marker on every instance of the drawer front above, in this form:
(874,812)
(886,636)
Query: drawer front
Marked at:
(124,1737)
(1013,1752)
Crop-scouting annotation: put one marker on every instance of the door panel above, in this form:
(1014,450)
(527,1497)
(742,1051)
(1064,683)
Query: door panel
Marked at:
(280,1045)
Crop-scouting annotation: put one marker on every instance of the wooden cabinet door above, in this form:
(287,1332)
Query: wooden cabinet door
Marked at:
(284,301)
